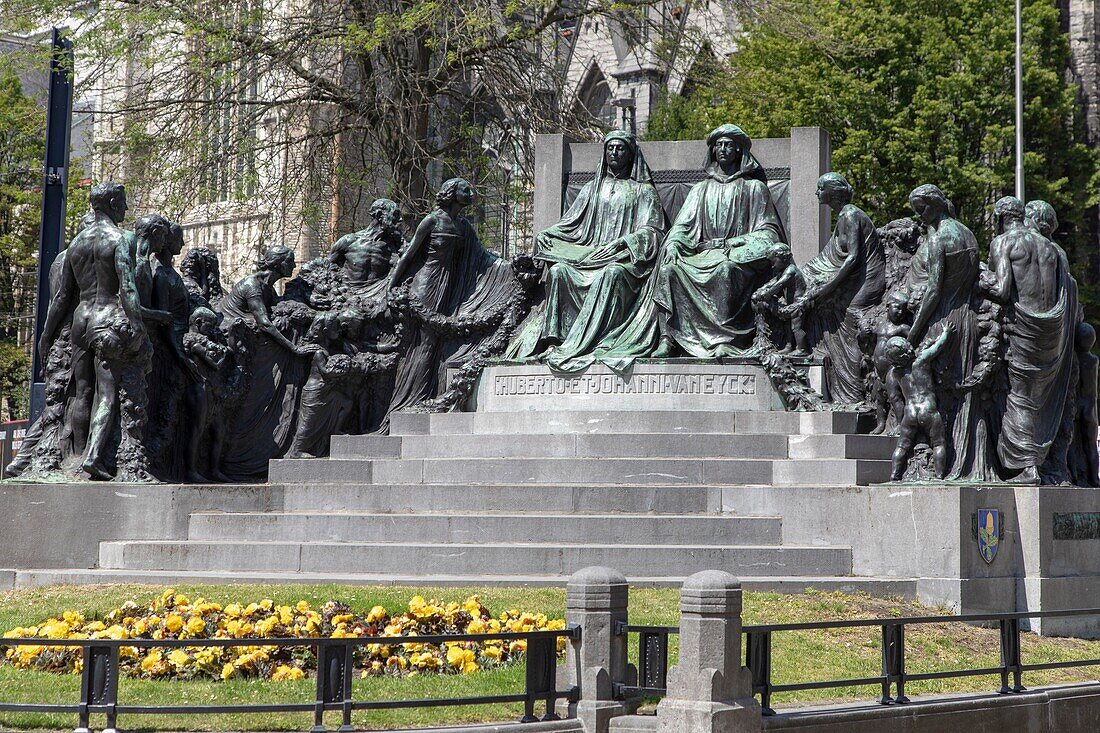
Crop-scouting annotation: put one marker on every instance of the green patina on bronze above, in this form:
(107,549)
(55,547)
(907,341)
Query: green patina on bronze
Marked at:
(1077,526)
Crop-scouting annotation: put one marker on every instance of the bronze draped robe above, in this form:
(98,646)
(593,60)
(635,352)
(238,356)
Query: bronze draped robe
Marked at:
(835,320)
(592,296)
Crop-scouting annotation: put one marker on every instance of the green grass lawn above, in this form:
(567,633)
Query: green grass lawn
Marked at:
(797,656)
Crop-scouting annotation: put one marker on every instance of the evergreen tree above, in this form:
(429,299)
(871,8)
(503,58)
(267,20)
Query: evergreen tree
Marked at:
(21,154)
(916,93)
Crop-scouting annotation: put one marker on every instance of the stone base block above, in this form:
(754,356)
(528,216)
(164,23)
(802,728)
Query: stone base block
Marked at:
(678,716)
(674,384)
(61,525)
(1047,552)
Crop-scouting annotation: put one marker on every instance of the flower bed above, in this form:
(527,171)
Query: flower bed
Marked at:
(173,616)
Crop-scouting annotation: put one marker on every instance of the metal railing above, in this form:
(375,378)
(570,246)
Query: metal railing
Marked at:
(335,667)
(653,655)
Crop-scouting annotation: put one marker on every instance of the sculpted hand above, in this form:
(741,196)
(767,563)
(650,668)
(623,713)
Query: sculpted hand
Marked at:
(309,349)
(611,248)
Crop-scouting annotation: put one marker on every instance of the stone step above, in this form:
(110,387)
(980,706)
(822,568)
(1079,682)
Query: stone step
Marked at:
(873,447)
(603,445)
(669,529)
(830,472)
(588,471)
(415,558)
(397,498)
(880,587)
(655,421)
(633,724)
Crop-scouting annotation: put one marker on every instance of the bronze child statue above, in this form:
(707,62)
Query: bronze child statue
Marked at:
(326,399)
(886,394)
(788,284)
(207,355)
(922,414)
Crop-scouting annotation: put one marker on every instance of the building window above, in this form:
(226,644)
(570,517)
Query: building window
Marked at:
(228,123)
(596,99)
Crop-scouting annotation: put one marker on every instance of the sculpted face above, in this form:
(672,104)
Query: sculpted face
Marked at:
(896,311)
(175,242)
(466,194)
(285,266)
(205,325)
(617,154)
(726,151)
(925,210)
(118,208)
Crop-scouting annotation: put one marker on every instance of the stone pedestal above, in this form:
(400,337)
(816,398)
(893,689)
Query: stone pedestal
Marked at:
(708,690)
(653,385)
(595,600)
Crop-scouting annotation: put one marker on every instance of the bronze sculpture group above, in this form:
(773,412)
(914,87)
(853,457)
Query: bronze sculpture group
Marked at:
(983,371)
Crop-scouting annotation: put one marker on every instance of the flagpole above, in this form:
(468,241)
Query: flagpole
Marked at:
(1019,102)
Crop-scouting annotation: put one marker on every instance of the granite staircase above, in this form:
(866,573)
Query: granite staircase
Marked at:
(531,497)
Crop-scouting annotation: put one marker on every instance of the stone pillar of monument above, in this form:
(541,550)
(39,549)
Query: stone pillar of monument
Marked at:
(595,600)
(708,689)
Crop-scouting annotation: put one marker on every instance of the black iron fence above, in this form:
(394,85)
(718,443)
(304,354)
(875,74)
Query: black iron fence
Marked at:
(100,677)
(653,655)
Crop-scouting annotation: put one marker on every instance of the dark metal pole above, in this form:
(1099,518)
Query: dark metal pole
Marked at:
(59,122)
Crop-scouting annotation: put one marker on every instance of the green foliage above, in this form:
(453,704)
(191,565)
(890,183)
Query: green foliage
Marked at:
(915,93)
(21,151)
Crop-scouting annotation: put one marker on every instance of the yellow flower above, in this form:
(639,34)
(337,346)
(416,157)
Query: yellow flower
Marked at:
(174,622)
(376,614)
(228,670)
(397,662)
(492,652)
(195,625)
(286,673)
(302,607)
(72,618)
(266,604)
(472,605)
(54,629)
(140,627)
(469,667)
(179,658)
(152,659)
(181,600)
(458,657)
(233,610)
(477,626)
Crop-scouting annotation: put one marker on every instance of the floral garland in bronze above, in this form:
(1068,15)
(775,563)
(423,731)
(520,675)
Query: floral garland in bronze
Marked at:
(525,274)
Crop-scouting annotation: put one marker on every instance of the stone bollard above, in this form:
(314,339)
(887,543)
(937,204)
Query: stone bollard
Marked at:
(708,689)
(595,599)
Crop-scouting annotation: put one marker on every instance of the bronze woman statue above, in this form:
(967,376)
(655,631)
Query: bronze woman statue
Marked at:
(844,282)
(262,426)
(450,277)
(603,251)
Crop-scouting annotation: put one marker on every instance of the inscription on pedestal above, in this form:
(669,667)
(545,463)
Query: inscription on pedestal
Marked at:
(648,386)
(607,384)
